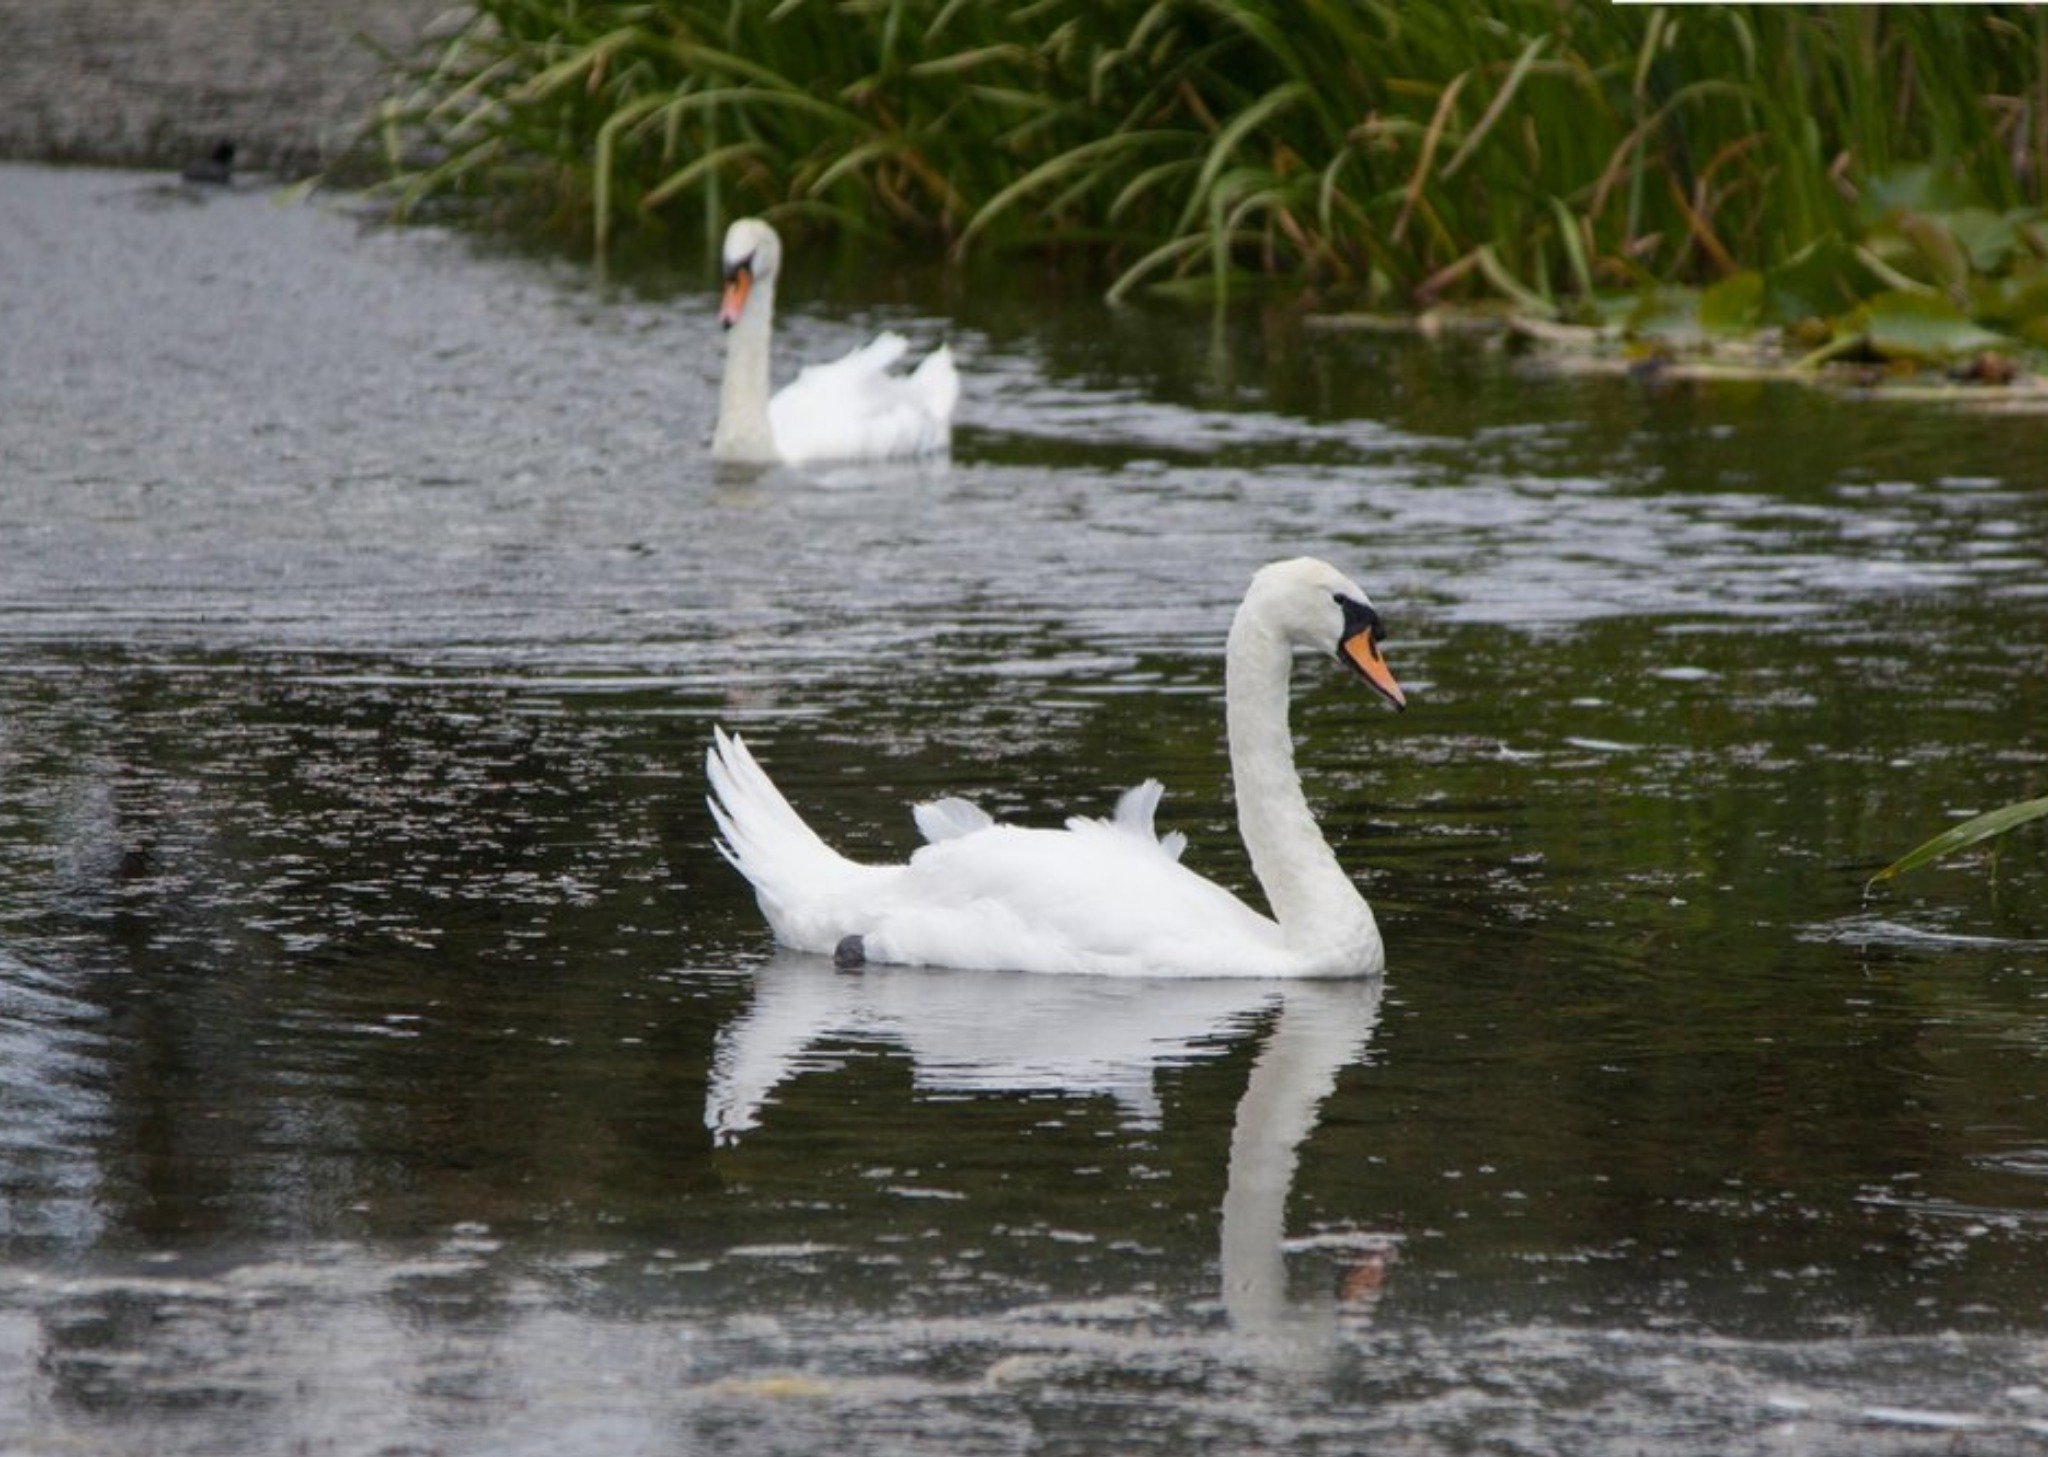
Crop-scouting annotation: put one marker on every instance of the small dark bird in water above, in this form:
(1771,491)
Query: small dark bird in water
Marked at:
(216,168)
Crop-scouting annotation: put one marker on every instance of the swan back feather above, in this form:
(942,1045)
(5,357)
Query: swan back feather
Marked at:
(949,819)
(1135,809)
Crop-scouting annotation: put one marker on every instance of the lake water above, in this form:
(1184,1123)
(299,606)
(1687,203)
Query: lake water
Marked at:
(387,1064)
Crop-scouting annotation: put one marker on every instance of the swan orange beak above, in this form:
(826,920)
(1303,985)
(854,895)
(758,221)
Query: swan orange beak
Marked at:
(1363,654)
(737,285)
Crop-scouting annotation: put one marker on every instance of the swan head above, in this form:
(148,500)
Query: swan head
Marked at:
(1317,607)
(751,255)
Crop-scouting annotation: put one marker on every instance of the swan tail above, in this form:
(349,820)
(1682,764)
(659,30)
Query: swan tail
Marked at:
(762,837)
(949,819)
(938,382)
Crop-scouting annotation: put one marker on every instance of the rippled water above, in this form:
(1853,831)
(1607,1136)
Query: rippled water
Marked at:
(386,1063)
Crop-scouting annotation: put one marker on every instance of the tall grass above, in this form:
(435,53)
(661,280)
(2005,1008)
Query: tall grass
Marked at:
(1540,149)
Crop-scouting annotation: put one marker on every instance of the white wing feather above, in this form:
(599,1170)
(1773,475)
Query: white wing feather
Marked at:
(949,819)
(853,408)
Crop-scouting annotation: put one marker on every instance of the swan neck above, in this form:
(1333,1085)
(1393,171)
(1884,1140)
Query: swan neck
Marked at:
(1319,910)
(743,432)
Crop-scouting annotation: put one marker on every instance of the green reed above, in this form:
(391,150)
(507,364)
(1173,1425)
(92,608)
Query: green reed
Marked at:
(1972,832)
(1543,150)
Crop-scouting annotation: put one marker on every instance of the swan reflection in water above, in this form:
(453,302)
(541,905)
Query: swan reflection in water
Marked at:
(987,1032)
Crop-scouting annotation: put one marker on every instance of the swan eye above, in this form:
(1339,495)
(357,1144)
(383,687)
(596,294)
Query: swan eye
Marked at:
(1360,618)
(734,270)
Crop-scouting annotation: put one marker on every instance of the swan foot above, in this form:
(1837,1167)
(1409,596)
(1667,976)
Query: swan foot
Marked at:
(850,954)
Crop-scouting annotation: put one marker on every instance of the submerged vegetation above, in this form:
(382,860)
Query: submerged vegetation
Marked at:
(1878,169)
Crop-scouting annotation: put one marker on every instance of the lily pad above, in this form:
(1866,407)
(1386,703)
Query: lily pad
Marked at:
(1921,328)
(1918,188)
(1669,316)
(1820,281)
(2017,303)
(1611,310)
(1990,238)
(1734,305)
(1942,258)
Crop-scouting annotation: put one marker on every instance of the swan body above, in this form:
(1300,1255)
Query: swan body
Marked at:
(853,408)
(1104,897)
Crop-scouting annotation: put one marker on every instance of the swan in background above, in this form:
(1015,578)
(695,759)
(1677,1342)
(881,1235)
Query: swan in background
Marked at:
(1107,897)
(850,409)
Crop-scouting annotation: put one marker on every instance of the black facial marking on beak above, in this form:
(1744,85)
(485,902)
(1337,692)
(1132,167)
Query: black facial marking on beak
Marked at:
(739,282)
(1359,648)
(1360,618)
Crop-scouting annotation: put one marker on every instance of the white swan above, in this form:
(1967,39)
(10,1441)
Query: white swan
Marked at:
(850,409)
(1107,897)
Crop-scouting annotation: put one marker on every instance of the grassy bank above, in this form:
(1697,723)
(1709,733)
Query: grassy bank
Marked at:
(1803,162)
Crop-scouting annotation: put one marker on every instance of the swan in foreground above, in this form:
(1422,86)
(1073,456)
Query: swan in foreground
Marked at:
(1107,897)
(850,409)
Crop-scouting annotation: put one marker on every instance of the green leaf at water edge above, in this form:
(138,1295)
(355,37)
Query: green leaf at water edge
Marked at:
(1964,835)
(1818,282)
(1735,305)
(2017,303)
(1940,257)
(1901,325)
(1919,187)
(1668,316)
(1990,238)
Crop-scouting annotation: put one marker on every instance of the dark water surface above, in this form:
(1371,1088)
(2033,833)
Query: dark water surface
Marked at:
(388,1065)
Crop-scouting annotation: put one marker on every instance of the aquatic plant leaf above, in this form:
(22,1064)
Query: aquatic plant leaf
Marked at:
(1961,837)
(1612,310)
(1919,327)
(1496,273)
(1990,238)
(1918,188)
(1734,305)
(1667,316)
(1494,109)
(1820,281)
(1935,246)
(2017,302)
(1570,235)
(2028,312)
(1232,136)
(1085,156)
